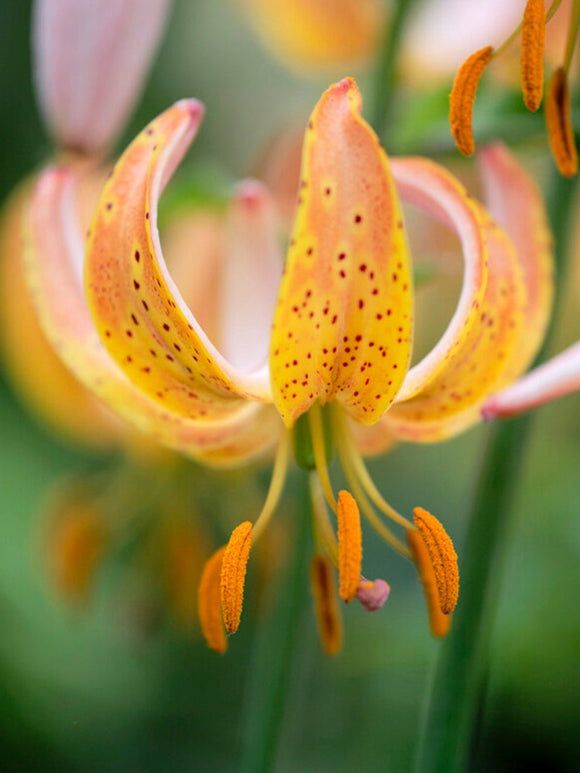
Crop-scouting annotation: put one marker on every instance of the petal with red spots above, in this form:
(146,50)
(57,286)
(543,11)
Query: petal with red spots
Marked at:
(137,308)
(54,259)
(343,322)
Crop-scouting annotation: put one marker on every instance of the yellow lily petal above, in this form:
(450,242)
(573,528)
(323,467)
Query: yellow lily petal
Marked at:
(38,376)
(343,322)
(516,204)
(138,311)
(476,367)
(318,33)
(433,189)
(54,257)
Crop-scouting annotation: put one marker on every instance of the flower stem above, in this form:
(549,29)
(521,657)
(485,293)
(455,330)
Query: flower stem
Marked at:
(276,637)
(457,691)
(384,79)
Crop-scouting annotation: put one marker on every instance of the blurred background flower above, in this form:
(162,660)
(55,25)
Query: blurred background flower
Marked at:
(89,691)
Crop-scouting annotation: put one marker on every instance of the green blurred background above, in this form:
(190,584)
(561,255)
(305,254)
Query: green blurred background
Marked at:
(117,687)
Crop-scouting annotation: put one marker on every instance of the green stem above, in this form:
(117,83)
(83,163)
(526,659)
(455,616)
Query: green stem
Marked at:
(274,649)
(384,80)
(449,736)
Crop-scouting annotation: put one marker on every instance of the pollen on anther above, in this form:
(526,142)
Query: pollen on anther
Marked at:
(463,97)
(233,575)
(349,545)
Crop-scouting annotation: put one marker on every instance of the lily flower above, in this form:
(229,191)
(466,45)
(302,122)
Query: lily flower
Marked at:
(317,34)
(79,48)
(333,367)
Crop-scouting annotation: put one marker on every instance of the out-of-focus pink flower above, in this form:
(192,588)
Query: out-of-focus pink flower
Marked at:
(91,58)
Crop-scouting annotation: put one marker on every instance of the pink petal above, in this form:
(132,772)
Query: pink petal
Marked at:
(250,276)
(556,378)
(91,59)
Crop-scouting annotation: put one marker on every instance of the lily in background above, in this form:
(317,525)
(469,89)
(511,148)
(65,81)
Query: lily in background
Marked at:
(318,35)
(90,63)
(332,369)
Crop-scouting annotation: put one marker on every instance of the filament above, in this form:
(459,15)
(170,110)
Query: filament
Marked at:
(276,485)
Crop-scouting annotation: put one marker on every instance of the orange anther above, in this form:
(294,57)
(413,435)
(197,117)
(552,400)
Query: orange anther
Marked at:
(438,622)
(559,123)
(463,97)
(443,558)
(233,575)
(209,603)
(349,546)
(532,53)
(326,604)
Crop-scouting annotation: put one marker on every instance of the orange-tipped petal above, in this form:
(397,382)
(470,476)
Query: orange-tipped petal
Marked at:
(343,323)
(139,312)
(315,33)
(233,575)
(326,604)
(209,603)
(91,59)
(54,258)
(349,546)
(556,378)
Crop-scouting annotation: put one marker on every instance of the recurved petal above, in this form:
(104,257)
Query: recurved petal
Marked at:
(138,310)
(54,260)
(477,366)
(556,378)
(516,204)
(431,188)
(91,59)
(40,379)
(343,322)
(318,33)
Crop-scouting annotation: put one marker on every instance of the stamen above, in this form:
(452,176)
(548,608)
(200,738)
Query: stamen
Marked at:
(276,486)
(233,575)
(209,603)
(463,97)
(349,546)
(443,558)
(368,512)
(559,124)
(532,53)
(350,457)
(326,604)
(323,532)
(317,432)
(438,622)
